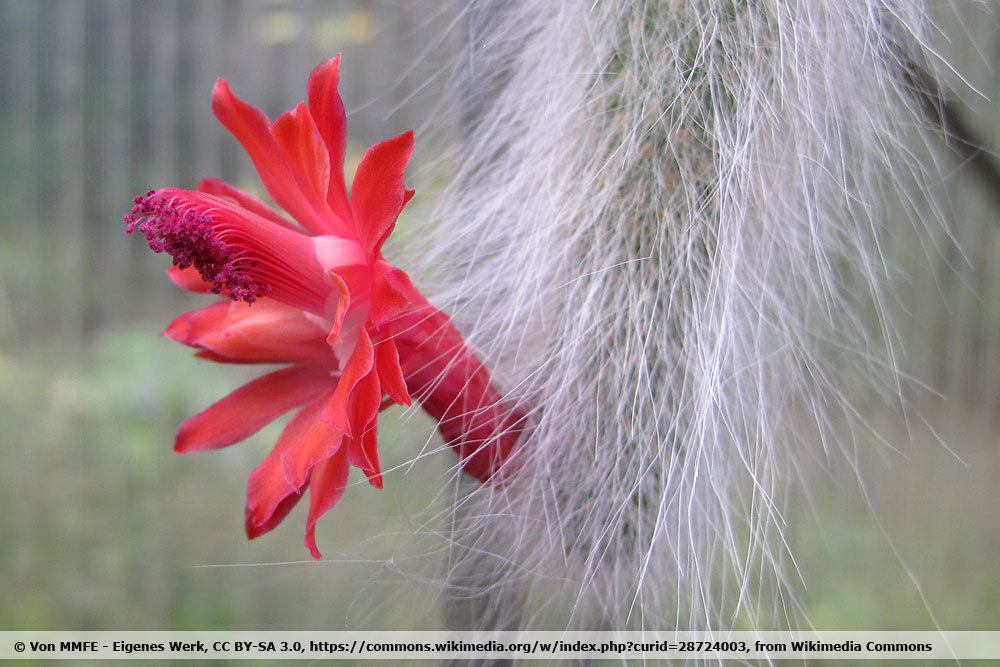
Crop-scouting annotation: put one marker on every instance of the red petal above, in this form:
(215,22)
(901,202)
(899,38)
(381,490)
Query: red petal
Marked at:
(220,188)
(266,519)
(363,450)
(251,407)
(270,492)
(378,193)
(340,411)
(455,388)
(189,279)
(316,444)
(390,374)
(331,120)
(343,303)
(219,359)
(306,154)
(326,484)
(252,129)
(390,286)
(265,332)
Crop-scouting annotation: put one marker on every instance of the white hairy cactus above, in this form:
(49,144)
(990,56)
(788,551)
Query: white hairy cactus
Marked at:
(663,239)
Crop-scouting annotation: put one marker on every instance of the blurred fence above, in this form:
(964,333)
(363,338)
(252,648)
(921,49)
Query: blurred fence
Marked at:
(101,100)
(104,99)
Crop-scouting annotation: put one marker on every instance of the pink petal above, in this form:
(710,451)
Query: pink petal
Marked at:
(219,359)
(363,449)
(266,516)
(340,411)
(270,492)
(317,443)
(220,188)
(306,154)
(251,407)
(379,194)
(252,129)
(390,373)
(265,332)
(390,287)
(327,110)
(327,484)
(189,279)
(343,304)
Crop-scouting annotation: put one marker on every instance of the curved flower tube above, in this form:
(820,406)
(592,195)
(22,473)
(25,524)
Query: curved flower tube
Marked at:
(315,292)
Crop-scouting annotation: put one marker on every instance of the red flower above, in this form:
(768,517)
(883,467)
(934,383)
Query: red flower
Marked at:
(319,296)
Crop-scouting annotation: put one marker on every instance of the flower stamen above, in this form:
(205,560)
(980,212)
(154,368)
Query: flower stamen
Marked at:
(240,253)
(190,239)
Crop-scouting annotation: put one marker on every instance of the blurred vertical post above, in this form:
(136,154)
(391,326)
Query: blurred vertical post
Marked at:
(20,221)
(989,386)
(69,49)
(21,170)
(162,99)
(203,40)
(249,75)
(163,88)
(115,156)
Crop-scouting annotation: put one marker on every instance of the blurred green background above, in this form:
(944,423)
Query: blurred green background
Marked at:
(102,526)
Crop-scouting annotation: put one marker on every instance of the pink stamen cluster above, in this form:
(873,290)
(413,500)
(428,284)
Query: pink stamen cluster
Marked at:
(190,239)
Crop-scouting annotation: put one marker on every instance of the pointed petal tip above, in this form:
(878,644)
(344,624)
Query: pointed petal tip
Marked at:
(225,103)
(327,109)
(182,440)
(379,191)
(406,140)
(189,438)
(263,516)
(253,529)
(385,149)
(337,420)
(291,117)
(249,408)
(189,280)
(220,89)
(325,76)
(255,525)
(179,330)
(327,484)
(343,303)
(310,542)
(329,67)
